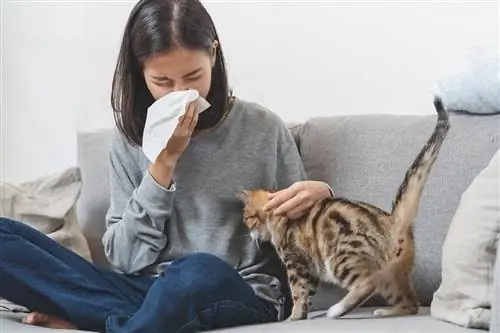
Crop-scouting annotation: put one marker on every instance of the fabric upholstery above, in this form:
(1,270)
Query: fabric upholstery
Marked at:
(357,322)
(93,160)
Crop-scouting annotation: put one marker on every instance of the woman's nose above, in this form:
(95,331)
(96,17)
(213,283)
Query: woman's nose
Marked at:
(180,87)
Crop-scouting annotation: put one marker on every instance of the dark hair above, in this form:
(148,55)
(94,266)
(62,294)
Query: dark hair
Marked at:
(156,26)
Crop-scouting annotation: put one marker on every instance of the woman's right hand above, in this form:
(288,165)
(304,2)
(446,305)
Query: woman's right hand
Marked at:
(163,168)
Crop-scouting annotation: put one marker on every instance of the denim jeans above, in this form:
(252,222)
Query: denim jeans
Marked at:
(195,293)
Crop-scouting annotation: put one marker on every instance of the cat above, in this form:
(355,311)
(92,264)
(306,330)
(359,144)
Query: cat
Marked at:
(353,244)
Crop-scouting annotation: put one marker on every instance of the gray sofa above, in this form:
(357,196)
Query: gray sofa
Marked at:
(362,157)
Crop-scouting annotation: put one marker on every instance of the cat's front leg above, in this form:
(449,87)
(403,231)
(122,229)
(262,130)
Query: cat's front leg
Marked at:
(313,287)
(299,279)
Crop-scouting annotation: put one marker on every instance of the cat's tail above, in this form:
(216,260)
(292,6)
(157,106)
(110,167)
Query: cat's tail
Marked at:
(406,204)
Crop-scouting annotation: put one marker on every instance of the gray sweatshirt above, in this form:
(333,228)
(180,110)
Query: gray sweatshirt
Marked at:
(147,225)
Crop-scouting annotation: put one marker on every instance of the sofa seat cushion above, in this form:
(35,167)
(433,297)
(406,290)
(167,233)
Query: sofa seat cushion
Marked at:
(359,321)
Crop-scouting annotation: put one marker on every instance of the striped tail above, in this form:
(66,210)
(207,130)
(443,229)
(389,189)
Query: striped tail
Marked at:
(406,204)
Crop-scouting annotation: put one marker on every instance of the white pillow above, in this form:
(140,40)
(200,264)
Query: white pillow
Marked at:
(469,251)
(473,85)
(495,304)
(48,204)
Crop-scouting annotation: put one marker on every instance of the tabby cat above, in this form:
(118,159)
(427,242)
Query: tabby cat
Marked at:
(353,244)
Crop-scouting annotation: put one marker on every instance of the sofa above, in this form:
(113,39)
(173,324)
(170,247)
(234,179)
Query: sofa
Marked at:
(362,157)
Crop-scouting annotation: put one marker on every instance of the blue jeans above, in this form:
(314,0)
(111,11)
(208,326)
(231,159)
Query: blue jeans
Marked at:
(195,293)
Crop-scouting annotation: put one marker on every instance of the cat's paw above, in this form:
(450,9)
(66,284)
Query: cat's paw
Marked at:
(335,311)
(389,312)
(298,313)
(382,312)
(297,316)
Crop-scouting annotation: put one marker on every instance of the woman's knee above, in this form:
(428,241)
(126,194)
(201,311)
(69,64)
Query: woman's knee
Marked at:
(201,260)
(208,264)
(8,226)
(199,272)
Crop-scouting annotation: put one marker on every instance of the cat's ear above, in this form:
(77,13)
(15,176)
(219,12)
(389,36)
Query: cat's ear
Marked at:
(243,195)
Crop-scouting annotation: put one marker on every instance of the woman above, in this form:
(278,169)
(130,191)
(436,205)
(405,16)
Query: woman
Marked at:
(182,259)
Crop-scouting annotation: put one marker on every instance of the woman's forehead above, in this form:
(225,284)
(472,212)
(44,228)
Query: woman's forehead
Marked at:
(177,63)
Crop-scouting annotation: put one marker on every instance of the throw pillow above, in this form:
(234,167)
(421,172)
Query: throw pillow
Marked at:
(469,253)
(48,204)
(473,85)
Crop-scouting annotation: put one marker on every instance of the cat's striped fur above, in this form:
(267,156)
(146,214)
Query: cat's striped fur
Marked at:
(353,244)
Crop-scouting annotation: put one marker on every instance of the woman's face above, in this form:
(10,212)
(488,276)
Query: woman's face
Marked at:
(177,70)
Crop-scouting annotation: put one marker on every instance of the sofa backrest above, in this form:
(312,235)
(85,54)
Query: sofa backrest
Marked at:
(362,157)
(93,160)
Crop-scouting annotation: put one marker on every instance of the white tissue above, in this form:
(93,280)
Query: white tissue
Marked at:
(162,119)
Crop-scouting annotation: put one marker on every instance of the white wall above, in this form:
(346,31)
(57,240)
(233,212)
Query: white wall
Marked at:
(299,59)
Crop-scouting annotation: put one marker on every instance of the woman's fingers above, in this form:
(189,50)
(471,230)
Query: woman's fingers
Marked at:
(194,120)
(279,198)
(188,116)
(187,122)
(299,210)
(290,205)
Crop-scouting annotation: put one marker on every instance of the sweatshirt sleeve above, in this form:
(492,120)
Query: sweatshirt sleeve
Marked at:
(289,168)
(139,209)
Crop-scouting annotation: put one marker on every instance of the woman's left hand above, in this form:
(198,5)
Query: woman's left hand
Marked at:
(298,198)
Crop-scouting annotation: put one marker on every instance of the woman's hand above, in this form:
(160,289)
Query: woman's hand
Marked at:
(163,168)
(296,200)
(181,137)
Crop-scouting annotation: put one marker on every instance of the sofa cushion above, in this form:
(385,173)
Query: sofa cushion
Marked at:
(359,321)
(365,157)
(469,252)
(93,159)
